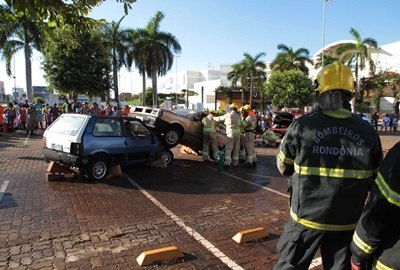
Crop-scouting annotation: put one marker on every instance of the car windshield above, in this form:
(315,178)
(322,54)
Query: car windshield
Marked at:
(185,112)
(67,124)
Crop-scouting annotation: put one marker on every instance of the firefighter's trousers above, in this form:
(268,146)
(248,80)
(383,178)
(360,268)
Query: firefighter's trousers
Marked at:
(298,245)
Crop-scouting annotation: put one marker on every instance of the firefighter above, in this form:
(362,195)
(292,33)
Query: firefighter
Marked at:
(332,156)
(209,135)
(232,123)
(249,128)
(376,240)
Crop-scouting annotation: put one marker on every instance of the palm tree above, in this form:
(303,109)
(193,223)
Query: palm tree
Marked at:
(117,39)
(238,75)
(357,53)
(155,51)
(249,69)
(289,59)
(16,33)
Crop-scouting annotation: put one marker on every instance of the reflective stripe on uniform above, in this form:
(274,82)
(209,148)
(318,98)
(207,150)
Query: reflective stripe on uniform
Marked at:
(340,113)
(332,172)
(285,159)
(390,195)
(380,266)
(321,226)
(362,245)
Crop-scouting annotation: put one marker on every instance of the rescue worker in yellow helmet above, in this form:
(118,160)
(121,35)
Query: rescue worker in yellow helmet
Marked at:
(209,135)
(332,156)
(249,127)
(232,123)
(376,241)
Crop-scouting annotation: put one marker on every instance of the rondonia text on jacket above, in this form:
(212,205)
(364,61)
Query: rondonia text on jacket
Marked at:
(321,149)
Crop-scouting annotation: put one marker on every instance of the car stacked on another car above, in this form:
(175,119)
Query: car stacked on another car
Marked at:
(180,126)
(94,143)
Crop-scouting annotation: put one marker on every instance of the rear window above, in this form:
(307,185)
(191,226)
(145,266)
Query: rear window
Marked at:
(67,124)
(107,128)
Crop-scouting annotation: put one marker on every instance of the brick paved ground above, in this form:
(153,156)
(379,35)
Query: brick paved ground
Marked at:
(79,224)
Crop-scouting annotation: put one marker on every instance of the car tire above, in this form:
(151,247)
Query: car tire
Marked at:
(98,168)
(171,137)
(166,155)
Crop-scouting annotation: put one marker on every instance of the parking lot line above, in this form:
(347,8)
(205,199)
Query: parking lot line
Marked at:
(3,189)
(198,237)
(317,261)
(251,183)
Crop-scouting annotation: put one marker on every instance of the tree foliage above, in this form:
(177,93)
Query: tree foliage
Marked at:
(60,12)
(289,88)
(289,59)
(154,50)
(84,69)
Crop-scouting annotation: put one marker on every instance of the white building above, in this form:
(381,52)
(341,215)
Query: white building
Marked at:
(204,83)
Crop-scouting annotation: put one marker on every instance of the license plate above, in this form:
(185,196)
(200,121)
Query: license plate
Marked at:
(57,147)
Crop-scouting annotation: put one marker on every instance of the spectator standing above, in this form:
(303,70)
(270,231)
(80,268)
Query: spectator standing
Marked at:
(22,117)
(385,122)
(95,109)
(395,123)
(375,120)
(332,156)
(31,120)
(54,113)
(11,115)
(38,107)
(1,117)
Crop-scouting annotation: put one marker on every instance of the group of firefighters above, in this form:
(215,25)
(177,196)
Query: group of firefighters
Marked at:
(344,197)
(240,131)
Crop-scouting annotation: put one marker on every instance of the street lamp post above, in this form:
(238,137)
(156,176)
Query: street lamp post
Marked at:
(323,30)
(176,80)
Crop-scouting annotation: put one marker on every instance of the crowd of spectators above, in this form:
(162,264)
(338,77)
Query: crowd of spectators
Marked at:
(38,115)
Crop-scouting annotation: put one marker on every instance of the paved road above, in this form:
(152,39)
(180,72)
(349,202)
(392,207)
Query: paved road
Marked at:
(79,224)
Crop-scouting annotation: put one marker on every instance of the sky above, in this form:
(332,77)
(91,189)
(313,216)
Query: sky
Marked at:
(215,32)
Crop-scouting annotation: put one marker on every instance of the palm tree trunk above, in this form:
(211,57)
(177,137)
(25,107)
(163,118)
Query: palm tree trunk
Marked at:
(28,67)
(154,84)
(251,90)
(115,78)
(144,87)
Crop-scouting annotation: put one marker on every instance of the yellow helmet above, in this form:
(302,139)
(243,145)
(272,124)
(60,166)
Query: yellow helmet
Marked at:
(335,76)
(233,106)
(246,107)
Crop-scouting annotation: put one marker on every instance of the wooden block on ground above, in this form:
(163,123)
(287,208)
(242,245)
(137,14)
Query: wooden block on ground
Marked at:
(115,171)
(250,235)
(159,255)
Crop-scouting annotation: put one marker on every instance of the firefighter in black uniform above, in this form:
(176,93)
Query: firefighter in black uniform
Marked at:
(332,156)
(376,241)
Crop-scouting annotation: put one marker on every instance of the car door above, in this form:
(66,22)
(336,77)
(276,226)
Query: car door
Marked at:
(107,137)
(141,143)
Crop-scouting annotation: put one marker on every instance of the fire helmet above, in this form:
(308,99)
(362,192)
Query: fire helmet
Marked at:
(335,76)
(246,108)
(233,106)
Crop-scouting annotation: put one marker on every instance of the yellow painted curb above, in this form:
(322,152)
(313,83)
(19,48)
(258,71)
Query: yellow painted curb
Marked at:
(250,235)
(158,255)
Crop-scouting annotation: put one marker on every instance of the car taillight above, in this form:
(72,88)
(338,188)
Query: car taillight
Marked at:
(76,148)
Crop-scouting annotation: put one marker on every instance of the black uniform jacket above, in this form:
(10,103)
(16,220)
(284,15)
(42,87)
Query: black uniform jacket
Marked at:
(377,235)
(333,156)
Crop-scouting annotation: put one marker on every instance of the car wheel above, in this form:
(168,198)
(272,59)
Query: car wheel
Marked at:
(172,137)
(166,155)
(98,168)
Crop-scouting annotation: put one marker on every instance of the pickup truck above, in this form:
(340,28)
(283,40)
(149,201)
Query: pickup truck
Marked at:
(180,126)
